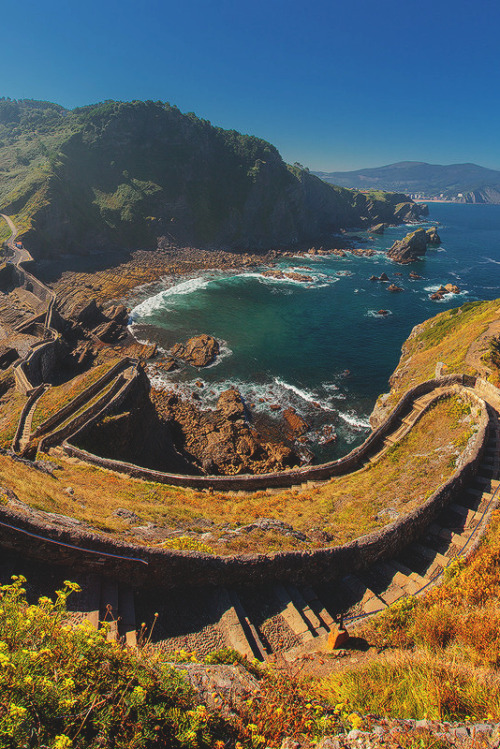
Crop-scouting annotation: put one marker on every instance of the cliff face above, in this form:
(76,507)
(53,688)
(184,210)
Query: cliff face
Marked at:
(121,175)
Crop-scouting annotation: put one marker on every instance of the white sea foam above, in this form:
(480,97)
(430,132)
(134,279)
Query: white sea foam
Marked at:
(318,281)
(357,422)
(157,302)
(303,394)
(224,352)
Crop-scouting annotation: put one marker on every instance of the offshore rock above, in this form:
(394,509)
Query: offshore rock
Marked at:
(409,249)
(377,229)
(199,351)
(432,236)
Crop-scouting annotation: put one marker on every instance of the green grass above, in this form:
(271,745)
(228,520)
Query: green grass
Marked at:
(409,685)
(445,338)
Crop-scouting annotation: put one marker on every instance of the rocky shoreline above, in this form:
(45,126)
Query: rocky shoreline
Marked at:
(214,442)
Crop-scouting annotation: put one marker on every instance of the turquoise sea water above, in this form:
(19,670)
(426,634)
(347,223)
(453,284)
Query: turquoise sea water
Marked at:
(321,347)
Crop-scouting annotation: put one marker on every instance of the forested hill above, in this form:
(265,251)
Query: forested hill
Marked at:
(466,183)
(121,175)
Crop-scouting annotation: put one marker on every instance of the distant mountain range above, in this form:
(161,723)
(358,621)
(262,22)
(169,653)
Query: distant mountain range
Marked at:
(464,183)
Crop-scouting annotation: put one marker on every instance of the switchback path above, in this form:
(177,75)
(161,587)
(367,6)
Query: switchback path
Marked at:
(20,255)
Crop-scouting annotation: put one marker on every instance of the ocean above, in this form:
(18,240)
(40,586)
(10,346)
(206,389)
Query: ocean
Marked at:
(320,347)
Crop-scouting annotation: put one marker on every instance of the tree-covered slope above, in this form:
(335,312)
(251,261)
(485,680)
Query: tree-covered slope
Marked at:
(124,174)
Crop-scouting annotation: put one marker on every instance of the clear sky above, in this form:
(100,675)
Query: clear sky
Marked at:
(334,84)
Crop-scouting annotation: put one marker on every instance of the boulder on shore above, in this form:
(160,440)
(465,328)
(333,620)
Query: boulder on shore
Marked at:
(231,405)
(297,426)
(199,351)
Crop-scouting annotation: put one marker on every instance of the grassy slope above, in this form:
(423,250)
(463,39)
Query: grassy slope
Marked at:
(363,495)
(445,338)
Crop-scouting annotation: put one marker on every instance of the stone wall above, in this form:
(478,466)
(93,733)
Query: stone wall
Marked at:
(41,361)
(351,462)
(112,398)
(22,419)
(152,567)
(84,397)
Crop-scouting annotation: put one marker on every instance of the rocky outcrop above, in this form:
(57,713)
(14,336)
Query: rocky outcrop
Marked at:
(220,442)
(109,332)
(410,248)
(296,425)
(393,287)
(292,275)
(433,236)
(377,229)
(450,288)
(199,351)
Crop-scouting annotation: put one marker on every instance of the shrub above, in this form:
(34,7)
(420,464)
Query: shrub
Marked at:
(72,689)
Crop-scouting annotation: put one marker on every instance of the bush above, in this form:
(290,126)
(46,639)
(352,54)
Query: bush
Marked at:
(69,688)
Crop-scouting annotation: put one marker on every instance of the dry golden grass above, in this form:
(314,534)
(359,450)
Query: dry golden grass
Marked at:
(56,397)
(346,507)
(445,338)
(11,405)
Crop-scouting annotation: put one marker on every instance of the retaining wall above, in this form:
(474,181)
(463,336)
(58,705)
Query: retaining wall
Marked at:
(82,398)
(115,395)
(150,567)
(42,360)
(22,418)
(247,482)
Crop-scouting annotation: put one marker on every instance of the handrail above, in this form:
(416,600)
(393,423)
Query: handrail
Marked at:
(47,539)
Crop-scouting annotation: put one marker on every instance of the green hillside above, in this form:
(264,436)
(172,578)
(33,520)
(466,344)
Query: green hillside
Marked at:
(122,175)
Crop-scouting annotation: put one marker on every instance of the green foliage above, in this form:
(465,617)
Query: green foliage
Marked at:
(231,656)
(106,167)
(71,689)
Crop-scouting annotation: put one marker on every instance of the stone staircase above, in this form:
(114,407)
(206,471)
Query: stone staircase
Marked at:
(27,423)
(262,620)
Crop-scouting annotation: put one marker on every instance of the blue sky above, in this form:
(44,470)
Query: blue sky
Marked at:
(334,84)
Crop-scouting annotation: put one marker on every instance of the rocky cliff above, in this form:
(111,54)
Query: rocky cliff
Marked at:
(122,175)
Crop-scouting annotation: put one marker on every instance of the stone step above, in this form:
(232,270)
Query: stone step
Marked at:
(291,614)
(420,580)
(318,607)
(491,483)
(92,589)
(239,633)
(471,517)
(385,581)
(456,539)
(365,597)
(306,610)
(436,562)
